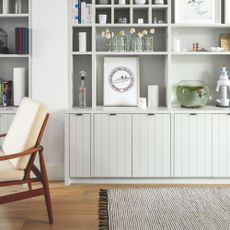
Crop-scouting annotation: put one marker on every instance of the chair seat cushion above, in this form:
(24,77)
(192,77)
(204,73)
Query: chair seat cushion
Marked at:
(8,172)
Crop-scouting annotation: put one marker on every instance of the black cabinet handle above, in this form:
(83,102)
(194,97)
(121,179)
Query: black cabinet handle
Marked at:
(151,114)
(193,114)
(79,114)
(112,114)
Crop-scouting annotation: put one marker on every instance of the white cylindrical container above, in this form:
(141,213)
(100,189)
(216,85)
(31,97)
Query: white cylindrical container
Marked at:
(227,12)
(18,6)
(121,2)
(19,85)
(142,103)
(82,41)
(102,18)
(153,95)
(5,6)
(177,45)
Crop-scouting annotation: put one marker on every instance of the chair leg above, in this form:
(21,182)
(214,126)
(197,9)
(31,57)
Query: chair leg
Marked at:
(46,187)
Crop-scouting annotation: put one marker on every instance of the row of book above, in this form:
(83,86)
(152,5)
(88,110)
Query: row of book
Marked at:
(81,12)
(22,40)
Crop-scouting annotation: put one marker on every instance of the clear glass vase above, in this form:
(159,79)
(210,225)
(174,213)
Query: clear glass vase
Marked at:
(120,44)
(148,46)
(128,44)
(137,44)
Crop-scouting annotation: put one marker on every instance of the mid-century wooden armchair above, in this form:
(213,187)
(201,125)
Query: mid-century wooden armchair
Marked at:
(19,150)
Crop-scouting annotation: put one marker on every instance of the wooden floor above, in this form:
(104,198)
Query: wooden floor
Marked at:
(74,207)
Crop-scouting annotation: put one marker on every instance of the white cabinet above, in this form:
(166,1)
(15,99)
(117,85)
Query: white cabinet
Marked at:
(79,145)
(151,145)
(193,145)
(112,145)
(221,145)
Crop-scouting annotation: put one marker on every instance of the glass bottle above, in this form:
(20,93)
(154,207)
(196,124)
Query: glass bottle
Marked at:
(82,90)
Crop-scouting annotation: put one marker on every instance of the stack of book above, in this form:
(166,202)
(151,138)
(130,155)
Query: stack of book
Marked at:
(81,12)
(22,40)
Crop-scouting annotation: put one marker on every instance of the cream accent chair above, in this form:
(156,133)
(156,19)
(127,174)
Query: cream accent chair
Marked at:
(19,149)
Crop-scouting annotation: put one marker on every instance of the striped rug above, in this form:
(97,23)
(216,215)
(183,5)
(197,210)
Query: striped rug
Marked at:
(165,209)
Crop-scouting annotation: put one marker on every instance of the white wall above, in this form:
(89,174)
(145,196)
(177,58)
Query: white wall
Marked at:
(50,74)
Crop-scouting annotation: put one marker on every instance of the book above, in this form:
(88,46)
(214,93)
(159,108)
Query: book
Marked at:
(22,40)
(83,12)
(6,93)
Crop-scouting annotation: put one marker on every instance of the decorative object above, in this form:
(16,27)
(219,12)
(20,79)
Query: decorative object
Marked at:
(3,42)
(165,208)
(19,85)
(140,20)
(223,87)
(215,49)
(5,6)
(227,12)
(82,90)
(103,2)
(122,2)
(225,41)
(102,18)
(195,11)
(192,94)
(120,42)
(121,81)
(7,94)
(82,41)
(159,2)
(176,44)
(140,2)
(153,96)
(18,6)
(122,20)
(142,103)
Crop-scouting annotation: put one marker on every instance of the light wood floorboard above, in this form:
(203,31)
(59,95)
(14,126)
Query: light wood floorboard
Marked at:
(74,207)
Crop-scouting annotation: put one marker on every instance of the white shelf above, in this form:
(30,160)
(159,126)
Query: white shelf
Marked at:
(159,6)
(133,25)
(82,53)
(81,25)
(102,6)
(207,26)
(200,53)
(14,55)
(14,15)
(132,53)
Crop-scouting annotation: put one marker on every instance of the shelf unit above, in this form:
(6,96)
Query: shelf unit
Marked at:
(163,67)
(8,22)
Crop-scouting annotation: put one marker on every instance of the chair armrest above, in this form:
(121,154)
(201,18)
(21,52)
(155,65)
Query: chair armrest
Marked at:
(3,135)
(21,154)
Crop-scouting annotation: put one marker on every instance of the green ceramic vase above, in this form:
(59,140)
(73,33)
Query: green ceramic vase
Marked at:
(192,94)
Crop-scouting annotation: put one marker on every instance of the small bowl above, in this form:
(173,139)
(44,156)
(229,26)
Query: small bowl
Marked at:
(140,2)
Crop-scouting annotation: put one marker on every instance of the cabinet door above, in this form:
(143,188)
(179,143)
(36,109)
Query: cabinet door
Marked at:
(151,145)
(80,145)
(193,145)
(112,137)
(221,145)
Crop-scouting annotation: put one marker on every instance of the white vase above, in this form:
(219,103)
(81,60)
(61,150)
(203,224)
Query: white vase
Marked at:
(82,36)
(153,95)
(5,6)
(159,2)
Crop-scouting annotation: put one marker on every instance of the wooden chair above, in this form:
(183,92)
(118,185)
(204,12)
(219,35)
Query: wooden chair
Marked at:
(17,159)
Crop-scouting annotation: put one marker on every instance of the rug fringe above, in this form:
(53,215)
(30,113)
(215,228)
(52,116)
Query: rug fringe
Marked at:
(103,210)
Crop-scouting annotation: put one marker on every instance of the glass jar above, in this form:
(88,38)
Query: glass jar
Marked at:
(148,44)
(120,44)
(138,44)
(192,94)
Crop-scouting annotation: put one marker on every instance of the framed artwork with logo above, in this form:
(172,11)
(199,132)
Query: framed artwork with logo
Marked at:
(121,81)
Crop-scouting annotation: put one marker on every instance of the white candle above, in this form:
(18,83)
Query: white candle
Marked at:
(82,41)
(5,6)
(153,95)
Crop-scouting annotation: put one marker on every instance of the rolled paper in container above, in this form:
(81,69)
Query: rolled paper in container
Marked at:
(19,85)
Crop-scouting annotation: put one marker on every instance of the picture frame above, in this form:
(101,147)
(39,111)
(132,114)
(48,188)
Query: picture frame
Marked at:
(227,12)
(197,11)
(121,81)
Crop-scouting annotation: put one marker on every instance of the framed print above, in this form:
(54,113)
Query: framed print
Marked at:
(195,11)
(121,81)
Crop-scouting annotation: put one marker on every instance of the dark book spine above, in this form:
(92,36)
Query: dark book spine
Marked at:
(20,40)
(16,41)
(79,11)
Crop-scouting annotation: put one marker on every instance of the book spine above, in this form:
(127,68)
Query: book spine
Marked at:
(89,13)
(24,41)
(83,9)
(79,11)
(20,41)
(16,40)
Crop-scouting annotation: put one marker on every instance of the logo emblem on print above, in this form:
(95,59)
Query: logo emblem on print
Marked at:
(121,79)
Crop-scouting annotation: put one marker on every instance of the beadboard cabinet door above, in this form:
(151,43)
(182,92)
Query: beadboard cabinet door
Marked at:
(193,145)
(151,145)
(112,140)
(79,145)
(221,145)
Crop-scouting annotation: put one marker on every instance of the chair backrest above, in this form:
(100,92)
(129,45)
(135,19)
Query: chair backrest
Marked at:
(24,130)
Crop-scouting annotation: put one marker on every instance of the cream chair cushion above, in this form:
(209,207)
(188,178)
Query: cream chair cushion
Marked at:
(24,130)
(8,172)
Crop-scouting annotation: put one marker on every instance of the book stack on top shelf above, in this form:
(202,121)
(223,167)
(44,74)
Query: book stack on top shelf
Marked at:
(22,40)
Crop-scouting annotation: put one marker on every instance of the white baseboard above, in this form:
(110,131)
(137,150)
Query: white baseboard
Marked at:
(55,171)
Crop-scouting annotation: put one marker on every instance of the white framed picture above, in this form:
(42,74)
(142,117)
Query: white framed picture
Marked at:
(196,11)
(121,81)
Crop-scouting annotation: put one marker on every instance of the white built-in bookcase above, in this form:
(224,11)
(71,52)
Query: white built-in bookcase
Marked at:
(8,22)
(163,67)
